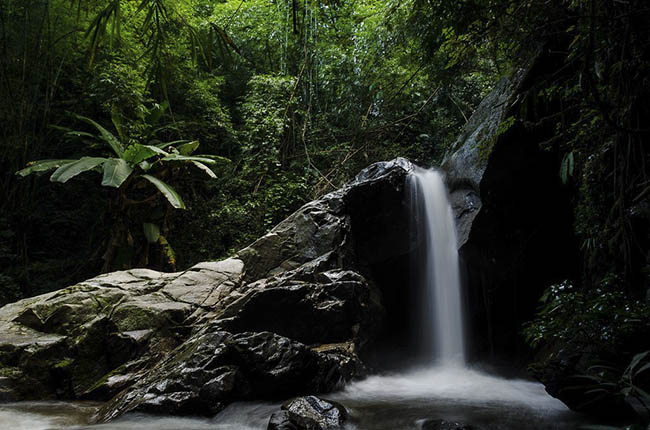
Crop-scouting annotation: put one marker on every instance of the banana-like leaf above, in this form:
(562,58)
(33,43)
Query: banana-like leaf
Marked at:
(188,148)
(76,133)
(215,158)
(134,154)
(168,144)
(178,157)
(170,194)
(151,232)
(566,167)
(105,135)
(116,171)
(70,170)
(42,166)
(205,168)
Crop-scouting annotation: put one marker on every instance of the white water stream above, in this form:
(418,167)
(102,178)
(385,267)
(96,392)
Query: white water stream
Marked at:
(434,219)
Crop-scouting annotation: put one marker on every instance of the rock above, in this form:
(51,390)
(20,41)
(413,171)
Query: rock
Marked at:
(299,310)
(309,413)
(73,341)
(568,373)
(213,368)
(294,312)
(513,214)
(437,424)
(285,420)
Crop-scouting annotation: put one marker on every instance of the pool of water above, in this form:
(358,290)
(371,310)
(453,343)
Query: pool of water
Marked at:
(386,402)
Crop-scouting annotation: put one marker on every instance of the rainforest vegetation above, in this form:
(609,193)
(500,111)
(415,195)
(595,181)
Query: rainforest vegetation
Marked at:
(178,131)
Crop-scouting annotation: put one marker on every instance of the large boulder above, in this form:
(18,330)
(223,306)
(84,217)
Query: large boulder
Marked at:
(214,367)
(296,312)
(514,216)
(75,342)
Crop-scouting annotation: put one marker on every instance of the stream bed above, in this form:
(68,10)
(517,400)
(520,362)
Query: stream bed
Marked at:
(388,402)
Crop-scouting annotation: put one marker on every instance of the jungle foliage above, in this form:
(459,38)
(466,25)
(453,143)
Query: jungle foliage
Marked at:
(299,95)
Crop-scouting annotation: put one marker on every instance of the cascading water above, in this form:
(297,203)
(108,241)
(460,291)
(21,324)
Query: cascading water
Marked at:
(437,268)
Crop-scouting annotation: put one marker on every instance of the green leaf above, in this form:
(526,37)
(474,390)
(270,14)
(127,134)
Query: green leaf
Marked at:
(75,133)
(145,165)
(637,359)
(205,168)
(188,148)
(200,159)
(134,154)
(170,194)
(151,232)
(70,170)
(566,168)
(116,171)
(42,166)
(216,158)
(156,112)
(642,369)
(116,118)
(105,135)
(168,144)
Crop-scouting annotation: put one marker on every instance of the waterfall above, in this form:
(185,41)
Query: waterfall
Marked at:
(437,268)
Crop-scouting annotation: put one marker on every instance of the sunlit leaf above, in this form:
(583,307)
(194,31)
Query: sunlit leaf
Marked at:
(116,171)
(134,154)
(105,135)
(42,166)
(170,194)
(205,168)
(70,170)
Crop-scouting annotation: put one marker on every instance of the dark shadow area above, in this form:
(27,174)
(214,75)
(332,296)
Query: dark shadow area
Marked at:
(380,223)
(521,242)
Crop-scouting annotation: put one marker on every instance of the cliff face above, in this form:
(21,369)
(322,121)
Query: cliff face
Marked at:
(514,216)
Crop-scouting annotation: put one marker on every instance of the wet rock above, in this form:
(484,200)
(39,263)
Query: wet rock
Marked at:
(437,424)
(309,413)
(73,341)
(214,368)
(291,313)
(337,304)
(562,370)
(512,213)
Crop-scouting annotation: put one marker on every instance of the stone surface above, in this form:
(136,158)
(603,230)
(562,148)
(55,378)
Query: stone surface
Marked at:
(71,343)
(437,424)
(513,214)
(292,313)
(309,413)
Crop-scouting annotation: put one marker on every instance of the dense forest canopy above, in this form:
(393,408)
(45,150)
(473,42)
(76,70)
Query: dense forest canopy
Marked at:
(297,95)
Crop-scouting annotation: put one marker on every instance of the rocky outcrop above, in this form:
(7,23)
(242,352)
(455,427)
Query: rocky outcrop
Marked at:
(309,413)
(76,342)
(514,216)
(296,312)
